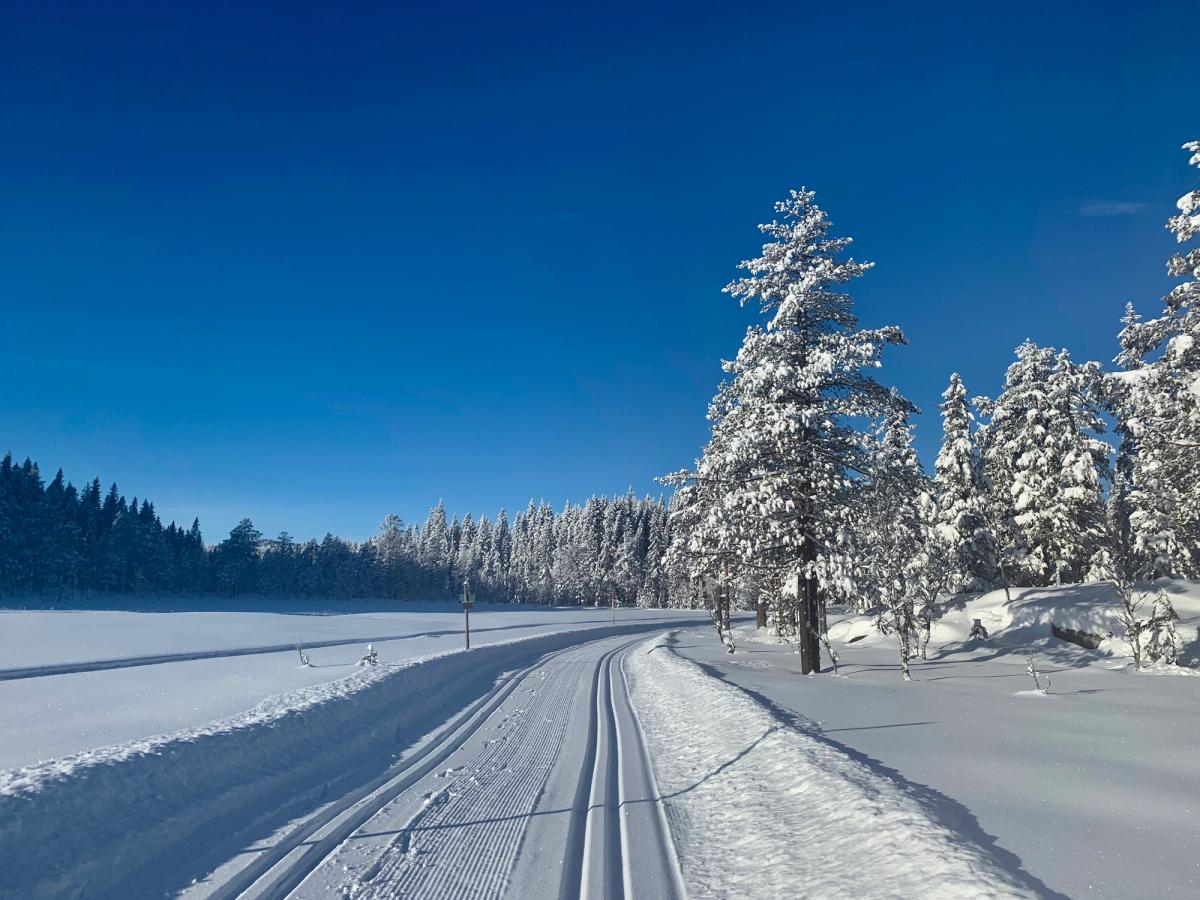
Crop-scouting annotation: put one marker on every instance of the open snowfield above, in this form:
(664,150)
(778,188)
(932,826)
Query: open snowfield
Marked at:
(1092,789)
(120,675)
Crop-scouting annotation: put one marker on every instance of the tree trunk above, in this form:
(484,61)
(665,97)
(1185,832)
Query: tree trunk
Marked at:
(1004,578)
(808,617)
(760,613)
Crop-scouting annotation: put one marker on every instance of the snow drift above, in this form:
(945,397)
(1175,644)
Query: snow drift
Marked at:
(1029,620)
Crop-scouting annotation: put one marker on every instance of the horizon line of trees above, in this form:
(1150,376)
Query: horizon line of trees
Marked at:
(60,541)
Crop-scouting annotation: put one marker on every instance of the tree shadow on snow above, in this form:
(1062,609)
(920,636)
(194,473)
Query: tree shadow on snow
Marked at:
(944,810)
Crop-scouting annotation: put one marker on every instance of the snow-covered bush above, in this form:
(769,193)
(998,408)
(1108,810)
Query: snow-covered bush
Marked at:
(371,657)
(1164,644)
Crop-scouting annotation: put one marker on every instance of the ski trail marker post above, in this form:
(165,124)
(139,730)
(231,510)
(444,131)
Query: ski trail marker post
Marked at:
(467,602)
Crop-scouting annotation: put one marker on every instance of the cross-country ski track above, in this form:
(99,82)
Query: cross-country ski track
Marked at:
(516,768)
(542,788)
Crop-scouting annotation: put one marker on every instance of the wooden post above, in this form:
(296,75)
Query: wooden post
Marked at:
(467,603)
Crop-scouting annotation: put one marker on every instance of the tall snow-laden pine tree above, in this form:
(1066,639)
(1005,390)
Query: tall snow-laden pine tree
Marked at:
(1159,403)
(772,488)
(958,484)
(1045,466)
(435,550)
(390,547)
(1119,553)
(896,526)
(1018,466)
(1077,508)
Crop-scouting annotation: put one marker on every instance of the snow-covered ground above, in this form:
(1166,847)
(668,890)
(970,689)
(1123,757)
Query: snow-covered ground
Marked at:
(761,809)
(123,675)
(564,755)
(47,637)
(1090,790)
(149,816)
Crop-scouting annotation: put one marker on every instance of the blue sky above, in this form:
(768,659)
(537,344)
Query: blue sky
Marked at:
(315,263)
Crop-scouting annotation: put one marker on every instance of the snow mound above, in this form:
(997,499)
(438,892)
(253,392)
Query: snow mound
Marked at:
(1026,622)
(737,784)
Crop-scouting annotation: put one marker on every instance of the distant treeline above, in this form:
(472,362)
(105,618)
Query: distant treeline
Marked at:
(58,540)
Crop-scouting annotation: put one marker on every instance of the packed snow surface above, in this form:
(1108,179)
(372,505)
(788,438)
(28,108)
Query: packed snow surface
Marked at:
(760,809)
(547,795)
(1090,789)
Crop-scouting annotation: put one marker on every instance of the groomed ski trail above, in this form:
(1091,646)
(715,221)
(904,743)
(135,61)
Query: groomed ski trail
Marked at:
(542,788)
(181,814)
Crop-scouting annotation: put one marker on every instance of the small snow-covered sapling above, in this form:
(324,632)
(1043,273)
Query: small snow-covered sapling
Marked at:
(1032,670)
(1165,644)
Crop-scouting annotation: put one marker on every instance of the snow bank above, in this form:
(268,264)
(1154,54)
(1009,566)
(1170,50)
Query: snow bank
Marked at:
(1026,621)
(85,639)
(148,816)
(741,788)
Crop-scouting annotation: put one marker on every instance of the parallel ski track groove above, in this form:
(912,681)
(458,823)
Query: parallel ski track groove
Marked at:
(614,869)
(573,874)
(674,888)
(509,801)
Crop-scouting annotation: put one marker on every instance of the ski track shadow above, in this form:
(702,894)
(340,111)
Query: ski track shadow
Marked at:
(944,810)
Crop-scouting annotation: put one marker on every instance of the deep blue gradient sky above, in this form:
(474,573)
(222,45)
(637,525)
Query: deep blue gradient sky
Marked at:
(314,263)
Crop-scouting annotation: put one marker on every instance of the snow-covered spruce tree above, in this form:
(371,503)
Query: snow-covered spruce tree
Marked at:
(435,551)
(930,571)
(653,592)
(706,542)
(1120,404)
(1044,467)
(391,555)
(1076,394)
(773,485)
(685,568)
(1164,645)
(903,560)
(1018,469)
(958,486)
(1159,404)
